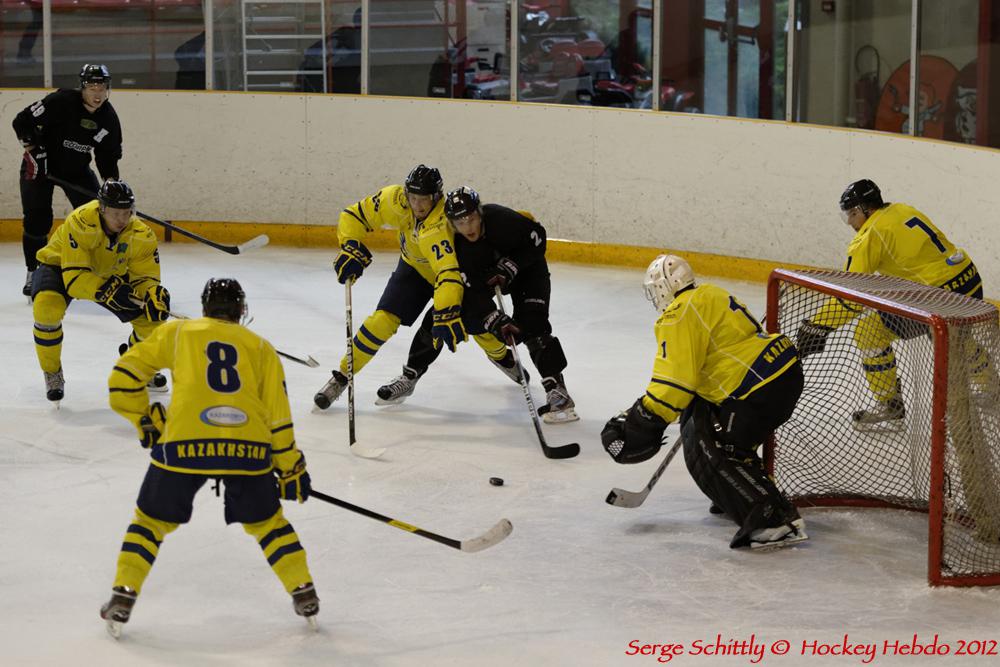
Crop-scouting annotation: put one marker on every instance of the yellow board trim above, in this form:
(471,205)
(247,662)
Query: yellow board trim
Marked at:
(577,252)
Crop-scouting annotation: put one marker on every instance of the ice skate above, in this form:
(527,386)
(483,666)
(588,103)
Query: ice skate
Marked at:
(26,290)
(305,601)
(778,537)
(118,609)
(888,416)
(559,407)
(508,365)
(399,389)
(331,391)
(55,386)
(157,383)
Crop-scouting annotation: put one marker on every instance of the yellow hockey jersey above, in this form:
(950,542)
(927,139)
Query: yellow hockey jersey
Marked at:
(388,208)
(436,239)
(229,414)
(708,344)
(88,257)
(900,241)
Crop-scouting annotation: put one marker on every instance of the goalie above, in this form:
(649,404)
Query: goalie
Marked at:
(893,240)
(732,385)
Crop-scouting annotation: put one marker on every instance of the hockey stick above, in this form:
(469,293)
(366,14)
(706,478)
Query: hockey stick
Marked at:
(622,498)
(352,438)
(562,452)
(255,242)
(491,537)
(308,361)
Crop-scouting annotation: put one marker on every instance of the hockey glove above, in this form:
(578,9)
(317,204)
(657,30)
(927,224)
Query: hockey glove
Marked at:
(116,294)
(294,484)
(633,436)
(156,305)
(36,163)
(503,273)
(351,261)
(500,325)
(811,338)
(448,329)
(152,424)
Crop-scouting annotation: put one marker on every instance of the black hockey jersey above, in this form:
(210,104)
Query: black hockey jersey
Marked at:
(63,126)
(505,233)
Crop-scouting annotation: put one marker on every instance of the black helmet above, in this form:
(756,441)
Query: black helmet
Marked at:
(223,298)
(461,202)
(116,194)
(424,180)
(95,74)
(862,193)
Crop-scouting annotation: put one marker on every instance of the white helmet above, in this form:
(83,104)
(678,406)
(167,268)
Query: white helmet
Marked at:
(667,275)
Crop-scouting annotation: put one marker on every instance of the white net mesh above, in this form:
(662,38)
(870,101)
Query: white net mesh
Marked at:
(850,441)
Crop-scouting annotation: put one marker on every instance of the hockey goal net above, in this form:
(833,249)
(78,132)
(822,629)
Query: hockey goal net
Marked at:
(943,456)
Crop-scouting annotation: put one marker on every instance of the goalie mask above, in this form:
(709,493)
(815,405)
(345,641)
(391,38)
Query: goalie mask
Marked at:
(667,275)
(224,299)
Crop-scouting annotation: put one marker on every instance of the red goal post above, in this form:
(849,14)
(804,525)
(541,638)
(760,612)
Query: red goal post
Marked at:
(943,456)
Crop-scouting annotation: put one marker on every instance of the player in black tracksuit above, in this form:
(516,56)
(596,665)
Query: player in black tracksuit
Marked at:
(497,246)
(58,133)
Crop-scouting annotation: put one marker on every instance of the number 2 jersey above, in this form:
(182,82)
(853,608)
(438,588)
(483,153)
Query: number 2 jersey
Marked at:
(898,240)
(708,344)
(229,413)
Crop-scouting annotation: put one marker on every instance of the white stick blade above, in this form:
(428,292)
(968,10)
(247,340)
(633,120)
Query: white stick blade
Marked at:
(493,536)
(622,498)
(366,453)
(311,363)
(254,243)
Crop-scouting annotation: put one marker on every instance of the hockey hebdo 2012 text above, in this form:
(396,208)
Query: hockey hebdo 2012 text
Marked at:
(756,650)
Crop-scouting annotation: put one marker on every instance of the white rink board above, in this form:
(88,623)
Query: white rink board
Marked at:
(765,190)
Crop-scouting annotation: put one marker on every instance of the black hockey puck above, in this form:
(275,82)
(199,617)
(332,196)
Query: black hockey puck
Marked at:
(496,481)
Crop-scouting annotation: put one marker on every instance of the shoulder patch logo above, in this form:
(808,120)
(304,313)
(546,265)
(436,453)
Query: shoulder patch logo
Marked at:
(100,135)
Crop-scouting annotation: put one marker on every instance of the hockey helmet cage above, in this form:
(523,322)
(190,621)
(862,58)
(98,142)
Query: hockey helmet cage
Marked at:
(424,180)
(862,193)
(95,74)
(224,299)
(666,275)
(116,194)
(461,202)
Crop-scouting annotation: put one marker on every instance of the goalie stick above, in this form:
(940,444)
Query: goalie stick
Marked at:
(490,538)
(622,498)
(356,449)
(561,452)
(255,242)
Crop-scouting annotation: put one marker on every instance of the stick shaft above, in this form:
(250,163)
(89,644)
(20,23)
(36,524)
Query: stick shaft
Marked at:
(349,320)
(447,541)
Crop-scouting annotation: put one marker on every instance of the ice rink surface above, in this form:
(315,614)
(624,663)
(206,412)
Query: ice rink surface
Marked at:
(575,583)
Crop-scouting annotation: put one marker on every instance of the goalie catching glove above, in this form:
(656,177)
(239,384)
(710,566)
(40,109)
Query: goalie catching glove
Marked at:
(633,436)
(156,304)
(447,328)
(354,257)
(500,325)
(811,338)
(116,294)
(294,484)
(151,425)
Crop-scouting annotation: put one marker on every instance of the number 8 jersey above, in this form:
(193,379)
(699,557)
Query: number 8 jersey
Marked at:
(229,412)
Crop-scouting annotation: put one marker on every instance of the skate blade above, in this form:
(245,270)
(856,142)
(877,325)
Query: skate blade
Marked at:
(390,401)
(313,623)
(158,390)
(764,547)
(892,426)
(560,417)
(114,629)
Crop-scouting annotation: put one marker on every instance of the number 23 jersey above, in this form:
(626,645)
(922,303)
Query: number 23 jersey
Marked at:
(229,410)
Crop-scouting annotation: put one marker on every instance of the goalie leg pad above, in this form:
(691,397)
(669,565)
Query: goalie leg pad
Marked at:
(740,488)
(547,355)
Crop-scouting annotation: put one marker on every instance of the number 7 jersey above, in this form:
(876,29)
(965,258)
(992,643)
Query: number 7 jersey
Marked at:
(229,411)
